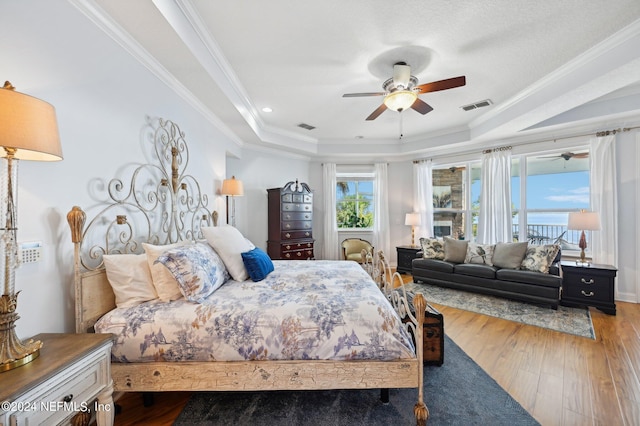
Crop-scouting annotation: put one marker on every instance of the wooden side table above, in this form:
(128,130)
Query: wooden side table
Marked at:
(63,382)
(589,285)
(405,255)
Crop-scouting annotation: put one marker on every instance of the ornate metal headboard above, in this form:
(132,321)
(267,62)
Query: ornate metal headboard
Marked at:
(159,204)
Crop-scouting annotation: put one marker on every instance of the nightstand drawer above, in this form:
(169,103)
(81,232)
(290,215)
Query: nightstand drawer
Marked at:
(588,290)
(66,394)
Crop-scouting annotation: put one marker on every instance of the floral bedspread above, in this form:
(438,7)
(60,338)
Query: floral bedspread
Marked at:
(324,310)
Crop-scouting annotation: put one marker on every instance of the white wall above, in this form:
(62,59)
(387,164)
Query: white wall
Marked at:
(259,171)
(101,95)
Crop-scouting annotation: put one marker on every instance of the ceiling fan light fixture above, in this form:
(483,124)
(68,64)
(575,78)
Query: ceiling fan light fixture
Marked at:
(400,100)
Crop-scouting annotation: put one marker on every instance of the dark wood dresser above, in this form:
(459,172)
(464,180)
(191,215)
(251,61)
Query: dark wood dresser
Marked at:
(290,222)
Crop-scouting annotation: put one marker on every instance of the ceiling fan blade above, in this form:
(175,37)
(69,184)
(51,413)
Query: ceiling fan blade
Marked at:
(377,112)
(421,106)
(353,95)
(435,86)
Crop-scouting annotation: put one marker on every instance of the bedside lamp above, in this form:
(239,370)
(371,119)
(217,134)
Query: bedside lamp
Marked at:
(232,188)
(583,221)
(413,220)
(29,132)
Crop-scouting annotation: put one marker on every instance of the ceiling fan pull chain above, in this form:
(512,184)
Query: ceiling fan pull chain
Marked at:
(400,114)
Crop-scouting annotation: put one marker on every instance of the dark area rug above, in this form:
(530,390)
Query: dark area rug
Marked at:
(457,393)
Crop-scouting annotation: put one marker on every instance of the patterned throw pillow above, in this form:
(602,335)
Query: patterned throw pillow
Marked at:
(539,258)
(197,268)
(432,248)
(479,253)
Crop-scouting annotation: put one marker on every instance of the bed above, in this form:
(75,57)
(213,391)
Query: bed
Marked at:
(308,325)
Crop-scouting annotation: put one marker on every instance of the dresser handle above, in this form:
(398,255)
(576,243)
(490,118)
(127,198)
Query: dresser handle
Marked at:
(288,235)
(306,234)
(299,254)
(584,293)
(67,398)
(287,255)
(288,247)
(587,282)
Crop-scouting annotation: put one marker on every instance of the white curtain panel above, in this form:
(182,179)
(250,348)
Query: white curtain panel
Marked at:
(604,200)
(423,197)
(494,222)
(381,238)
(331,249)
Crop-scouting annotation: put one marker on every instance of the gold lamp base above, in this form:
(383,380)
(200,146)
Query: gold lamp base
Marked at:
(13,352)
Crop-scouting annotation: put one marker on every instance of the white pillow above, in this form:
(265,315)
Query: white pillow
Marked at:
(229,243)
(130,279)
(165,284)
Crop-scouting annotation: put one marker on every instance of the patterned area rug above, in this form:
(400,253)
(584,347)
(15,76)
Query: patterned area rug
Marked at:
(575,321)
(457,393)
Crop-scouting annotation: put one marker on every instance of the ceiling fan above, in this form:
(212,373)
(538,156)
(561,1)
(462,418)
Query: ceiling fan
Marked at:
(569,155)
(402,90)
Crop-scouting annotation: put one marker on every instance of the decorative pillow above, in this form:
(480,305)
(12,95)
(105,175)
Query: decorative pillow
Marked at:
(432,248)
(455,250)
(479,253)
(229,243)
(163,281)
(130,279)
(258,264)
(539,258)
(509,255)
(197,268)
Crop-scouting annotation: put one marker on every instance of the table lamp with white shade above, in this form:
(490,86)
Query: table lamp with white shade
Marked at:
(583,221)
(413,220)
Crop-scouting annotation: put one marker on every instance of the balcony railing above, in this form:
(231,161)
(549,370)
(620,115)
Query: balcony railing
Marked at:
(549,234)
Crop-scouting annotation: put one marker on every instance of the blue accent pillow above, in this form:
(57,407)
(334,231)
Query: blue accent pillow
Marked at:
(258,264)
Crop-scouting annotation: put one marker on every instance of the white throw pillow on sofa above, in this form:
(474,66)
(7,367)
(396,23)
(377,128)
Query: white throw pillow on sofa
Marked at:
(479,253)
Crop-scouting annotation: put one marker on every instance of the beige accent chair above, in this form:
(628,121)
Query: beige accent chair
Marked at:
(352,249)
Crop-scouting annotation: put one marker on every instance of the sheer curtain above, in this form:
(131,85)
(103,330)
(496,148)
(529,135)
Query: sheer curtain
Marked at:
(423,196)
(331,249)
(604,200)
(381,239)
(494,222)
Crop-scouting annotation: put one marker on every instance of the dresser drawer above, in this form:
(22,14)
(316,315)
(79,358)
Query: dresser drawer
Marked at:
(296,207)
(288,216)
(65,395)
(297,254)
(296,235)
(296,225)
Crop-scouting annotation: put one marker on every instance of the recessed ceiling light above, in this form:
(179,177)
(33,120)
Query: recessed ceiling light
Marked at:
(267,109)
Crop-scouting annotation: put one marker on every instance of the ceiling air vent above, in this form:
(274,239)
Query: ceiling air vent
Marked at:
(479,104)
(306,126)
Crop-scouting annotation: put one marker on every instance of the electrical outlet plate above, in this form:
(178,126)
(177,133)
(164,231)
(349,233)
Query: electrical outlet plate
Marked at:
(30,252)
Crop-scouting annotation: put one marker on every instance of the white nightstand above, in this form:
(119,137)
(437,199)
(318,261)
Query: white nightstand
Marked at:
(72,374)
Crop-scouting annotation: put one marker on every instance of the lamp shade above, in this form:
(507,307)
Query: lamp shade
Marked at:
(412,219)
(584,221)
(232,187)
(29,126)
(400,99)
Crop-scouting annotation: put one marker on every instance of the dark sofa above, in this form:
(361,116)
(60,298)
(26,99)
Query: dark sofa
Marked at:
(529,286)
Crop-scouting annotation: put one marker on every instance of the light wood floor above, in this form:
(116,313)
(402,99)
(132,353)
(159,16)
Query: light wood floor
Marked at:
(559,378)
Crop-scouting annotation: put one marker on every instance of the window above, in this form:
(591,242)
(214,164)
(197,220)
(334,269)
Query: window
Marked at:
(451,200)
(544,189)
(555,184)
(354,201)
